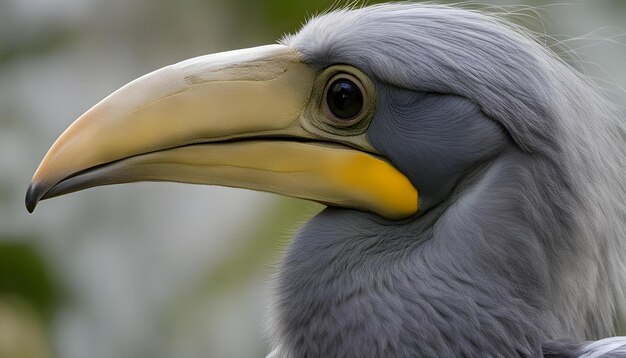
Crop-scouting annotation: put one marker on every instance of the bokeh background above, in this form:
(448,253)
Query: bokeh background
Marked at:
(167,270)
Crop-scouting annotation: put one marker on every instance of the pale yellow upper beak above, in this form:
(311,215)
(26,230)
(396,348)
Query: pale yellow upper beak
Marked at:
(239,118)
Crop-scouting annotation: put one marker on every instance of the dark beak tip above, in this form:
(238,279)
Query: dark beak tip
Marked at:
(33,194)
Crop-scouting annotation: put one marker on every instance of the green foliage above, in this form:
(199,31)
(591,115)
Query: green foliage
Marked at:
(282,17)
(23,274)
(37,45)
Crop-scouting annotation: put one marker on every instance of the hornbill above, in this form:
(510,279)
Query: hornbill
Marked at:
(475,183)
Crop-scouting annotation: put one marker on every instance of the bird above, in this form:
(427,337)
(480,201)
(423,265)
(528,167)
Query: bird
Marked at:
(474,182)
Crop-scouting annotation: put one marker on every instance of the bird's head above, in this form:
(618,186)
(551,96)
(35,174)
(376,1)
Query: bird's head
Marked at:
(343,113)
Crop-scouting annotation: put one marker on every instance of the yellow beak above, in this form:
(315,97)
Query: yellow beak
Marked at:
(233,119)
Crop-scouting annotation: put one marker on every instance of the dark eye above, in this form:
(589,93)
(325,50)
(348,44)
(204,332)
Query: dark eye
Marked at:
(344,100)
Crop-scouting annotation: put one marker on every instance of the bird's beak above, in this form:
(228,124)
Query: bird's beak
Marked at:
(232,119)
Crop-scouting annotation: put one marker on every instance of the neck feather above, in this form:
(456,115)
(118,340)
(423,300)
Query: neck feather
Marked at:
(474,274)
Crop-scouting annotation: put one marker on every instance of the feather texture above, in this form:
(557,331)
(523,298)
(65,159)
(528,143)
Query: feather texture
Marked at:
(523,186)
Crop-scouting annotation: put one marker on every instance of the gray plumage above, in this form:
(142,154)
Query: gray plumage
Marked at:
(519,161)
(614,347)
(608,348)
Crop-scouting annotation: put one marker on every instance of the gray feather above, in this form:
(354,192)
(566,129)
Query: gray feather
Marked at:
(606,348)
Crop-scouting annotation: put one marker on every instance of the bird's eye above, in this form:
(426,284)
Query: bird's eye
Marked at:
(343,100)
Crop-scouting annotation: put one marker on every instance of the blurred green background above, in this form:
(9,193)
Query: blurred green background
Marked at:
(165,270)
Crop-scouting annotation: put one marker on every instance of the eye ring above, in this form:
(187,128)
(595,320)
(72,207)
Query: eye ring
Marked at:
(343,100)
